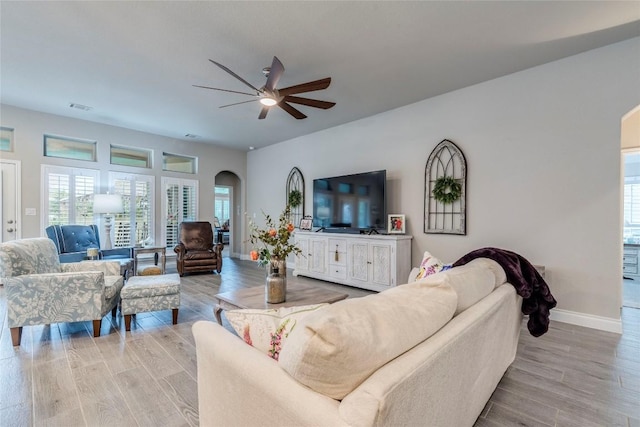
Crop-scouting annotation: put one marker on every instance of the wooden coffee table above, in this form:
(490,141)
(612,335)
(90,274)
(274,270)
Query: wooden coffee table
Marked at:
(297,294)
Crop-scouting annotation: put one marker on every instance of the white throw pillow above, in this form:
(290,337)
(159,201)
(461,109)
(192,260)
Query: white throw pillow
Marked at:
(333,350)
(267,330)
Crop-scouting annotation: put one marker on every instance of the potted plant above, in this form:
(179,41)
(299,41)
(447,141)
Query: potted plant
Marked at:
(275,244)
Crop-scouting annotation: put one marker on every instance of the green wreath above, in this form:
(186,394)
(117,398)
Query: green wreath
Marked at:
(446,190)
(295,198)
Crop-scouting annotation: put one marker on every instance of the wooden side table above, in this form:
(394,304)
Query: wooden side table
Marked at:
(156,250)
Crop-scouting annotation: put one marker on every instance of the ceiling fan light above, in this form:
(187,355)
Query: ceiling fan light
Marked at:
(269,102)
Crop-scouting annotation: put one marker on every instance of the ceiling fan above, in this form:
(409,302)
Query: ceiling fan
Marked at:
(268,95)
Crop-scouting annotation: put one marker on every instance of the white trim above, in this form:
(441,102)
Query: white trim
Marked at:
(18,196)
(587,320)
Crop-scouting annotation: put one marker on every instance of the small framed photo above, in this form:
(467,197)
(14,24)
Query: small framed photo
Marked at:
(306,223)
(396,224)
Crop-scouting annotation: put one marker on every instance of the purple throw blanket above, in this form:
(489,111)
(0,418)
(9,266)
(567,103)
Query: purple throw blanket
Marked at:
(537,298)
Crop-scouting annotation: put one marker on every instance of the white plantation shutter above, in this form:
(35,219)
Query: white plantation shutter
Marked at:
(172,213)
(180,203)
(68,195)
(136,222)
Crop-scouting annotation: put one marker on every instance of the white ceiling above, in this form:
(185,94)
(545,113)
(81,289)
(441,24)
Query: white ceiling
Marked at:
(135,62)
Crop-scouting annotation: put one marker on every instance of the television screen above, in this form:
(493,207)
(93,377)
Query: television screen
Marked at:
(350,202)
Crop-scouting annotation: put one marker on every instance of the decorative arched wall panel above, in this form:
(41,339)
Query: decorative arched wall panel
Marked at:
(295,183)
(445,183)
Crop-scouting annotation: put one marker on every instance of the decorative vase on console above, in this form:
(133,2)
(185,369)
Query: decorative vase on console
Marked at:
(275,244)
(276,286)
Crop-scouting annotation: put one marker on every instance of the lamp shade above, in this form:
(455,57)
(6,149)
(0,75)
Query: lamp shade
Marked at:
(107,203)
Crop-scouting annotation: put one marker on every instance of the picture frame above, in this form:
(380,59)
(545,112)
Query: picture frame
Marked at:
(306,223)
(396,224)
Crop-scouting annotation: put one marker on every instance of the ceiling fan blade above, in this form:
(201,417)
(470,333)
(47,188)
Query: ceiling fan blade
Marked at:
(235,75)
(309,102)
(289,109)
(276,71)
(306,87)
(226,90)
(237,103)
(263,113)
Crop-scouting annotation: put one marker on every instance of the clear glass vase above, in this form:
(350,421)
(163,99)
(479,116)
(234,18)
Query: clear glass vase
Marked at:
(276,284)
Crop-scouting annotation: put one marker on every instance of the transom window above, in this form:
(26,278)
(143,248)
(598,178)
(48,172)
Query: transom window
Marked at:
(176,163)
(6,139)
(126,156)
(69,148)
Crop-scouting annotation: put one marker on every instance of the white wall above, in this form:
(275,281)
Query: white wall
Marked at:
(543,156)
(30,126)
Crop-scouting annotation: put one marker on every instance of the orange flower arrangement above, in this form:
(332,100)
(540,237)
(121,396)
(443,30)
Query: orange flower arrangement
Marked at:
(274,239)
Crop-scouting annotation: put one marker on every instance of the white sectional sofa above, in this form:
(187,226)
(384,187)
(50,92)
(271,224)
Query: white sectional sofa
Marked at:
(429,353)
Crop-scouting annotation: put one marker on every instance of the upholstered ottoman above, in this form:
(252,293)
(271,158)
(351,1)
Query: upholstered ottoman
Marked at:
(150,293)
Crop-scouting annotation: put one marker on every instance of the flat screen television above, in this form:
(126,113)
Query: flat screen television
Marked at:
(351,203)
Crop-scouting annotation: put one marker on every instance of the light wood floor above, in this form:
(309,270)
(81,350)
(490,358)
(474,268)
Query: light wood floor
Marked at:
(62,376)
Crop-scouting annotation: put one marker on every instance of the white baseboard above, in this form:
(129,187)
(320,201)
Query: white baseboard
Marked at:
(587,320)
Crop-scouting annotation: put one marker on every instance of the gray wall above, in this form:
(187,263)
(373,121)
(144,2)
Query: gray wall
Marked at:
(31,125)
(543,154)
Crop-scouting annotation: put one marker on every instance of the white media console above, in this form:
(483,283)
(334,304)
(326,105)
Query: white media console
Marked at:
(376,262)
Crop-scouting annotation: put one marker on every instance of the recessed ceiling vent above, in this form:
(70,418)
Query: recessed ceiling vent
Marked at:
(80,107)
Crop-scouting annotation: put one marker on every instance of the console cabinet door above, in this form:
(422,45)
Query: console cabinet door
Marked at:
(302,260)
(380,255)
(358,262)
(369,263)
(318,255)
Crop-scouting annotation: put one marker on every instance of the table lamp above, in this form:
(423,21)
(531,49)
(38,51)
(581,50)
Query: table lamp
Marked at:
(107,204)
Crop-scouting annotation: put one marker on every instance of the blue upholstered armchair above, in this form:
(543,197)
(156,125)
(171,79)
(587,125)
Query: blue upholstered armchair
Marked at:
(72,242)
(40,290)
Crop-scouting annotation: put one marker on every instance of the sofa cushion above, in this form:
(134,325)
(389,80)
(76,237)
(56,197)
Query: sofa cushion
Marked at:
(267,330)
(491,265)
(333,350)
(470,282)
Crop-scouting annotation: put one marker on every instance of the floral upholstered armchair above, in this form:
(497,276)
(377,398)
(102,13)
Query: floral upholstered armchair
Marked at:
(40,290)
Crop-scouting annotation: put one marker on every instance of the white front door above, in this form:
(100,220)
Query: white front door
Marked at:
(10,200)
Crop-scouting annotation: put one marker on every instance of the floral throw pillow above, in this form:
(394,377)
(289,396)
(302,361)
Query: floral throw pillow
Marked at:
(431,265)
(267,330)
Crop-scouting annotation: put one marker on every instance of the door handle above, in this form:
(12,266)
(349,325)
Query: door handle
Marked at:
(10,221)
(10,230)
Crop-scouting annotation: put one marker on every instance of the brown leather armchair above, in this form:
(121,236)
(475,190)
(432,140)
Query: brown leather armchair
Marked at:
(196,250)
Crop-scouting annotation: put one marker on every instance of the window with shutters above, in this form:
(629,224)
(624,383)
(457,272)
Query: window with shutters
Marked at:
(136,223)
(179,203)
(222,204)
(68,195)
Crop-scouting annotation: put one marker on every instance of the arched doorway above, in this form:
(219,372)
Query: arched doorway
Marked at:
(227,210)
(630,142)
